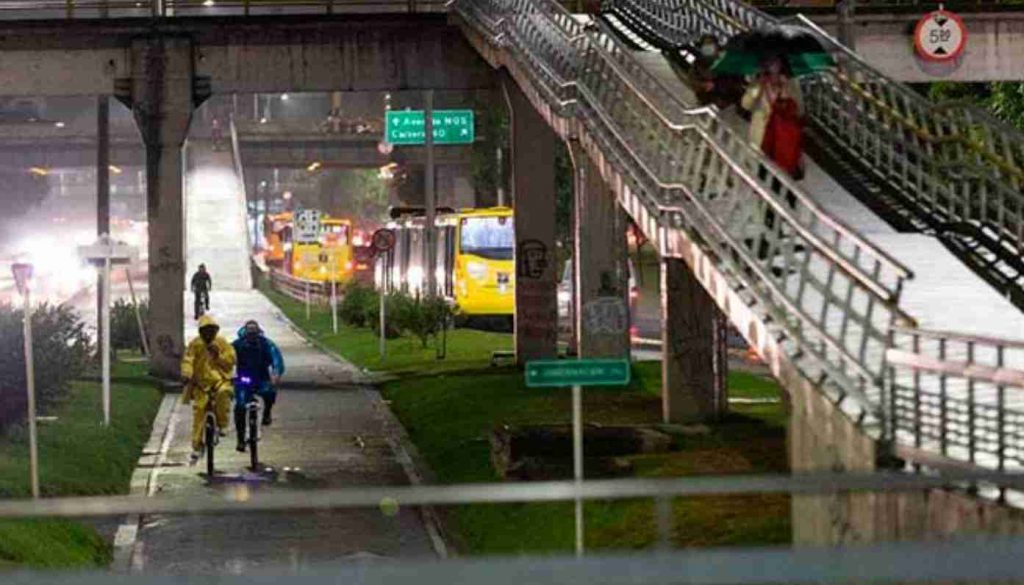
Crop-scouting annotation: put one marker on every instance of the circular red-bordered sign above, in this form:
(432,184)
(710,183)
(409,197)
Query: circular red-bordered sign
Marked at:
(940,36)
(383,240)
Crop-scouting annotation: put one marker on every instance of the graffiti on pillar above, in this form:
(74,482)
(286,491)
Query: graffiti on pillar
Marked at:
(532,259)
(606,316)
(165,344)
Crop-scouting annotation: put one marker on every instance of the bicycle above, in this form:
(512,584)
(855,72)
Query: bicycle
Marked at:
(202,303)
(252,408)
(211,433)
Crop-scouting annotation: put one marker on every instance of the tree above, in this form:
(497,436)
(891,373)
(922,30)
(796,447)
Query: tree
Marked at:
(492,126)
(356,193)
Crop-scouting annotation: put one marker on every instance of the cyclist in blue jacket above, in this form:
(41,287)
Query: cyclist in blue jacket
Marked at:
(260,361)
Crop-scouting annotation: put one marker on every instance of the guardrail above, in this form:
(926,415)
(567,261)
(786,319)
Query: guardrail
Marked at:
(957,165)
(829,292)
(48,9)
(959,397)
(305,291)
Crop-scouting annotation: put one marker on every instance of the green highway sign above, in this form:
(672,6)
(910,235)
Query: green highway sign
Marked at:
(450,127)
(546,373)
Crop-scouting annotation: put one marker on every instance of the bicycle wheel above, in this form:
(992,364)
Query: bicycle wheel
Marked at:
(254,429)
(211,437)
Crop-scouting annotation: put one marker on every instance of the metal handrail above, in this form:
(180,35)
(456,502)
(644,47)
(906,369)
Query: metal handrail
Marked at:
(791,185)
(578,72)
(940,148)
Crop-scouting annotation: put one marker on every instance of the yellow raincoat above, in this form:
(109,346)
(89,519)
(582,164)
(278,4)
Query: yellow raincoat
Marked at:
(209,368)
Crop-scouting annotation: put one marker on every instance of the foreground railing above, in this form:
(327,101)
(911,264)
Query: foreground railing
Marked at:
(824,290)
(957,165)
(967,559)
(958,397)
(29,9)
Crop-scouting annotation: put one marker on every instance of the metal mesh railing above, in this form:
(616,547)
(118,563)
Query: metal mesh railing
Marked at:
(957,164)
(957,396)
(823,288)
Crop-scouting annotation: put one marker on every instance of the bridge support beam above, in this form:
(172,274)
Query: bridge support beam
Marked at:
(533,195)
(600,270)
(161,100)
(694,362)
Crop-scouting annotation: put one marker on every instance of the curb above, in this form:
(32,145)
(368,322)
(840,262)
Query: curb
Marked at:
(143,483)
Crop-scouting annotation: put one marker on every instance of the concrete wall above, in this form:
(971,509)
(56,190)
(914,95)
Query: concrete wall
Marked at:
(245,54)
(994,50)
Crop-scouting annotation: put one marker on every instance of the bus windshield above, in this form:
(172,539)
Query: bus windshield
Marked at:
(488,237)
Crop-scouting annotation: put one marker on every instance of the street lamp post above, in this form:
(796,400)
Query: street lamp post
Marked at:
(23,277)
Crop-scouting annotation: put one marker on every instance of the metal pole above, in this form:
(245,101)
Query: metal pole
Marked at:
(106,341)
(383,318)
(334,306)
(307,300)
(30,385)
(577,461)
(431,201)
(138,313)
(102,189)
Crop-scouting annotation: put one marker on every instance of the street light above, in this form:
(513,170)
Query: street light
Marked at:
(23,278)
(314,166)
(284,97)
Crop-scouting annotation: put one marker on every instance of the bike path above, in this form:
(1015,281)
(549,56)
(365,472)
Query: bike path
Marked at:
(322,437)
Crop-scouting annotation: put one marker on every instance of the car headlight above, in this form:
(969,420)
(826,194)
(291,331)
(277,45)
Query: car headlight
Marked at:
(476,270)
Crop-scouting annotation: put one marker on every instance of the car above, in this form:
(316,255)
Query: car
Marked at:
(565,288)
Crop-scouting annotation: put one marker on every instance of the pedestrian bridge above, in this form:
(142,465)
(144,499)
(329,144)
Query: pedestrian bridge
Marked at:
(818,284)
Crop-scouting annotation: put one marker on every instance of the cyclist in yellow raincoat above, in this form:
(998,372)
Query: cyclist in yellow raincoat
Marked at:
(206,370)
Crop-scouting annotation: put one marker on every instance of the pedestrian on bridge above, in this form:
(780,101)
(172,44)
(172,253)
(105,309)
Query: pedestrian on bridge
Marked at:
(775,103)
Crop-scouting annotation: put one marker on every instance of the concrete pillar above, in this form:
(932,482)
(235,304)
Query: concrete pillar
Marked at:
(163,105)
(600,271)
(694,364)
(533,198)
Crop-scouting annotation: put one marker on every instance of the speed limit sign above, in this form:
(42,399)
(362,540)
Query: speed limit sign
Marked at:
(940,36)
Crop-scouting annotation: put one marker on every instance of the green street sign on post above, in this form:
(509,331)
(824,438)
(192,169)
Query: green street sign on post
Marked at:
(550,373)
(450,127)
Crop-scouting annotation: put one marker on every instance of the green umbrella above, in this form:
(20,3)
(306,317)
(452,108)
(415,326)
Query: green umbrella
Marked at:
(798,46)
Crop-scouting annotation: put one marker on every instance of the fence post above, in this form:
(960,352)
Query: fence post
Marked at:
(334,306)
(307,300)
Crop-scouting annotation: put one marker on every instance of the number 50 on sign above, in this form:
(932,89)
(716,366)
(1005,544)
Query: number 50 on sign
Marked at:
(940,36)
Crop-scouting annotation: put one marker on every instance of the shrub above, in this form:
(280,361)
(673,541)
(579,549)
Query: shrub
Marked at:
(61,351)
(356,305)
(397,307)
(124,327)
(428,317)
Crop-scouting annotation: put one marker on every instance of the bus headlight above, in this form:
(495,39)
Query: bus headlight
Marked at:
(476,270)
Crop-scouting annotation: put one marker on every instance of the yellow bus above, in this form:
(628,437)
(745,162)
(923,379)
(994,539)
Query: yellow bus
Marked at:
(328,259)
(481,261)
(475,258)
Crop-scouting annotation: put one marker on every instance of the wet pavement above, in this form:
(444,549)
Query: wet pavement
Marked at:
(334,433)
